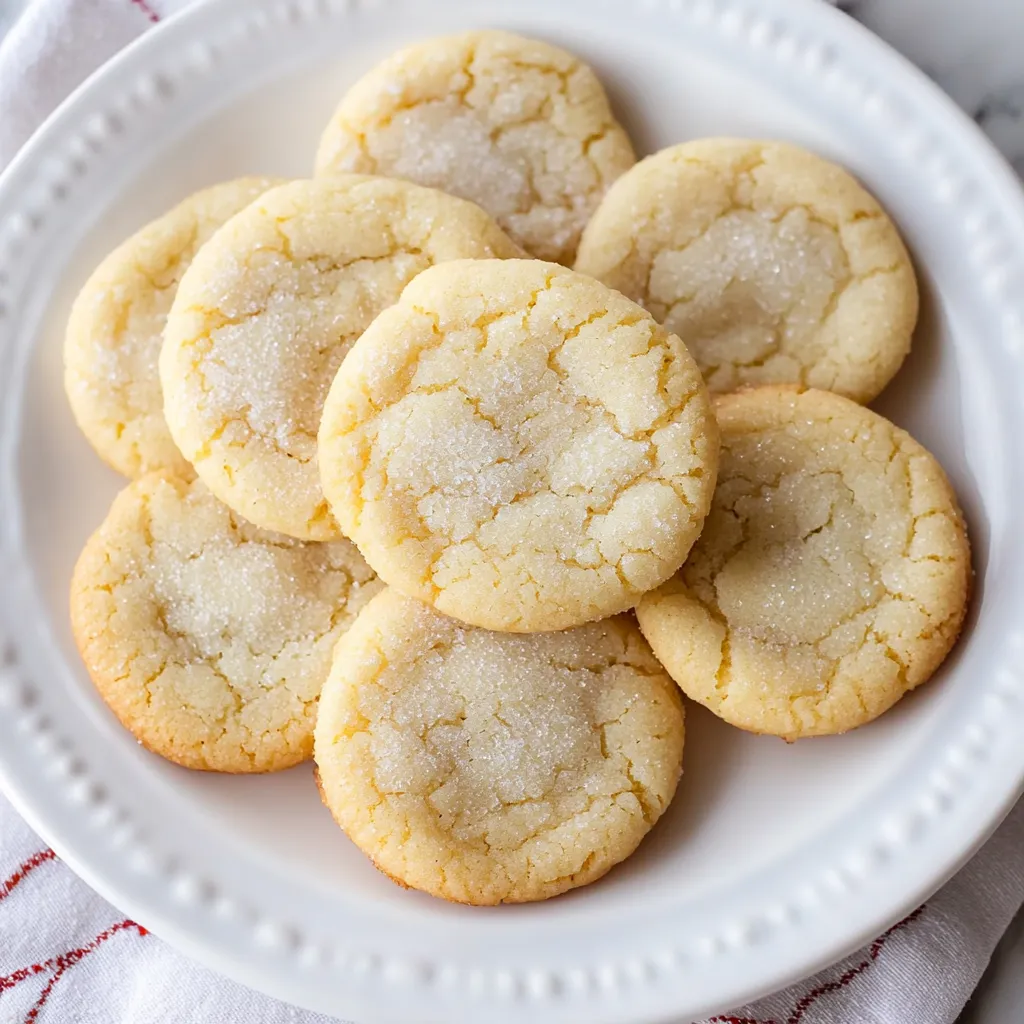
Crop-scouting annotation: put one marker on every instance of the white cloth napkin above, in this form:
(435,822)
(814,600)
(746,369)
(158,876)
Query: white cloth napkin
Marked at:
(68,957)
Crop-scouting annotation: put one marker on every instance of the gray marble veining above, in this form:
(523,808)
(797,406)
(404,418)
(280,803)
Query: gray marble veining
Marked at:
(974,49)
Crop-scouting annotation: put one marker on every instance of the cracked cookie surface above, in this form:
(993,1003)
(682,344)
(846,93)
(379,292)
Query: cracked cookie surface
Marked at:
(207,637)
(115,330)
(268,310)
(773,265)
(519,446)
(831,578)
(516,125)
(485,767)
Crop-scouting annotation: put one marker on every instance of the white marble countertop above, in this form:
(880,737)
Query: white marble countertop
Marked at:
(974,49)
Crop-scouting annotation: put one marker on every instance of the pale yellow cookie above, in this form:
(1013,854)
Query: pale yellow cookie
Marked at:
(489,768)
(208,638)
(519,446)
(114,332)
(832,575)
(518,126)
(265,315)
(772,264)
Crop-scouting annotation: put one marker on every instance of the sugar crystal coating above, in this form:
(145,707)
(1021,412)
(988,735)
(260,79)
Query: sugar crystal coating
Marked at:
(268,310)
(832,574)
(486,767)
(116,327)
(519,446)
(518,126)
(209,638)
(773,265)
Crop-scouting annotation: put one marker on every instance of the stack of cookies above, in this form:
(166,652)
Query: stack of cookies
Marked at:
(400,476)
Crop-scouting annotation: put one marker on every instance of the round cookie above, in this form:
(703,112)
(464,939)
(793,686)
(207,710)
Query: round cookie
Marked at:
(265,315)
(519,446)
(772,264)
(489,768)
(114,333)
(518,126)
(832,575)
(208,638)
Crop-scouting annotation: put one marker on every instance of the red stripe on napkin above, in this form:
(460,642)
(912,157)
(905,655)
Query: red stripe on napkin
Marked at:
(59,964)
(146,10)
(807,1001)
(23,870)
(72,957)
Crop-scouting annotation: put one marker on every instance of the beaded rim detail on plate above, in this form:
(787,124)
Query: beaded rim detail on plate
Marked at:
(992,252)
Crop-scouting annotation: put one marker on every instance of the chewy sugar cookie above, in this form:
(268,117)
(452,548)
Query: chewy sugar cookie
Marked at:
(208,638)
(518,126)
(772,264)
(832,575)
(485,767)
(265,315)
(519,446)
(114,333)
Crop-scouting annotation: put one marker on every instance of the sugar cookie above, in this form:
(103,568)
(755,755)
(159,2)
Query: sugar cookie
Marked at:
(519,446)
(832,575)
(208,638)
(265,315)
(773,265)
(114,332)
(518,126)
(486,768)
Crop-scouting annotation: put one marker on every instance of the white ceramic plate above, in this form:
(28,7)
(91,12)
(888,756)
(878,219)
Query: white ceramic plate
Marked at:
(773,860)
